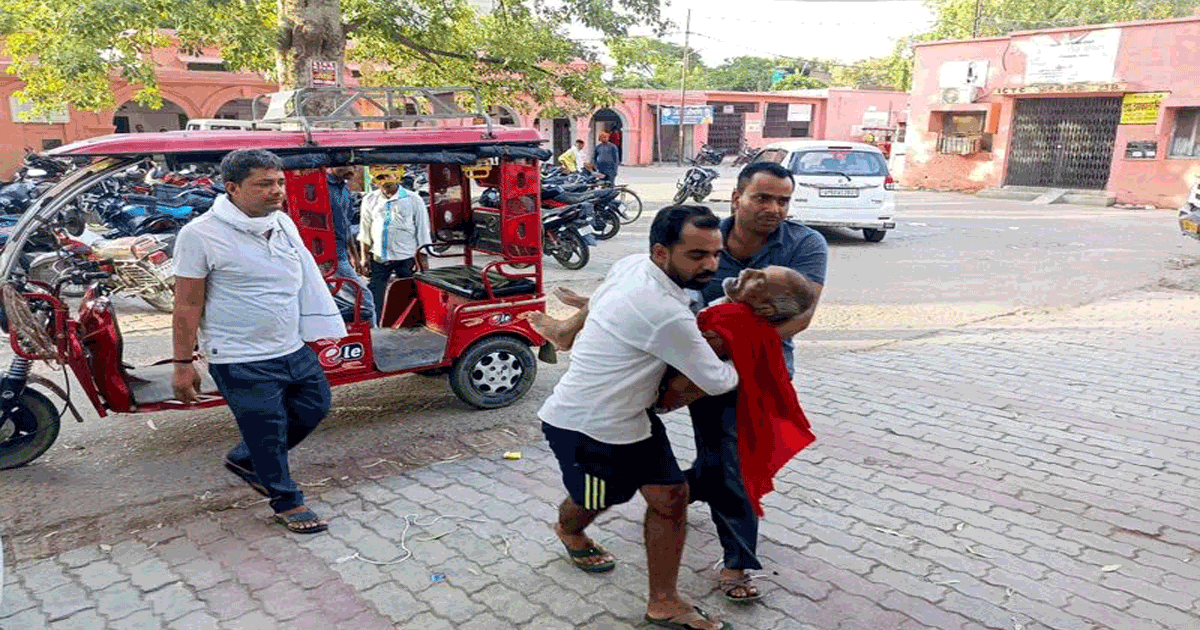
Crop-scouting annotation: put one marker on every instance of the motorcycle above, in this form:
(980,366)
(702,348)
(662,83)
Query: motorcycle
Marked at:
(147,215)
(564,234)
(696,183)
(606,221)
(709,155)
(135,265)
(745,155)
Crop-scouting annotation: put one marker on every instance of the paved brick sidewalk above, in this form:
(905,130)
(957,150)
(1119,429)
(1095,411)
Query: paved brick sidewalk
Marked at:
(1035,471)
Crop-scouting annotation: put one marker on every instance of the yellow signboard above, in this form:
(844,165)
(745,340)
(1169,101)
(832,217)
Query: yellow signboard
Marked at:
(1141,108)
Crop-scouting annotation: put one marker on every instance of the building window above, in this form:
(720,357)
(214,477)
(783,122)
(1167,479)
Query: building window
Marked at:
(962,124)
(1186,140)
(963,133)
(777,125)
(200,66)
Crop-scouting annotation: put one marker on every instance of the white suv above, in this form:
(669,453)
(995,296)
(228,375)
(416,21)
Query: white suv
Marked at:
(838,184)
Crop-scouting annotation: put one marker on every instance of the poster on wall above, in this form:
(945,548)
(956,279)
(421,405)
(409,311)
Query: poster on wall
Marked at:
(692,115)
(799,112)
(1090,57)
(1141,108)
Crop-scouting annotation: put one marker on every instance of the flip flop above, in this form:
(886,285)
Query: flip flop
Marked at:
(682,622)
(248,476)
(290,521)
(590,552)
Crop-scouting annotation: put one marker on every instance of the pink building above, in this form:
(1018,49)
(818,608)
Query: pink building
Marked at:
(200,87)
(1108,113)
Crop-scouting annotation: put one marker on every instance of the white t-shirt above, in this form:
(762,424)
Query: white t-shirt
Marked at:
(394,227)
(252,301)
(638,322)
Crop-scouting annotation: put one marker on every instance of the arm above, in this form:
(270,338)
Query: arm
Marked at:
(680,343)
(810,260)
(365,239)
(424,231)
(189,305)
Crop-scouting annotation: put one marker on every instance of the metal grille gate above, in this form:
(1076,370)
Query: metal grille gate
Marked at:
(728,128)
(1063,142)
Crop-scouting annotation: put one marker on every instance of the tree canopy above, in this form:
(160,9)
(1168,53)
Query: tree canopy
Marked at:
(67,51)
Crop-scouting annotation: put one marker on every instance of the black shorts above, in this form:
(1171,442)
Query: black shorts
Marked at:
(598,475)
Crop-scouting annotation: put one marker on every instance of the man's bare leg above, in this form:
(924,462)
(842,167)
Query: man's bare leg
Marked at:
(572,520)
(665,531)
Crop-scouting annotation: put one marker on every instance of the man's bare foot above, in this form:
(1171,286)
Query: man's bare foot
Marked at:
(550,328)
(585,553)
(569,297)
(678,612)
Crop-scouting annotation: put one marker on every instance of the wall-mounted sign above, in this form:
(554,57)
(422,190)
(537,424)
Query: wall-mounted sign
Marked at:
(876,119)
(1069,88)
(754,126)
(1141,108)
(953,74)
(692,115)
(1087,58)
(799,112)
(22,113)
(727,109)
(1141,150)
(324,73)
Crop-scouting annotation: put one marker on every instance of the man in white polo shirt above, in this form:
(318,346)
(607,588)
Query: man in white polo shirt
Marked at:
(597,421)
(245,279)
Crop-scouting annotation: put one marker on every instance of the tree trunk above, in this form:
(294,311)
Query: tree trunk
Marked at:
(309,30)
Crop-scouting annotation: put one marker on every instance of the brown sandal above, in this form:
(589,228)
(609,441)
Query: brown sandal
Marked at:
(746,583)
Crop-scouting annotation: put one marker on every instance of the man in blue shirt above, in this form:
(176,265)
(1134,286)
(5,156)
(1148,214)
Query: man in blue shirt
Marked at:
(756,236)
(606,158)
(341,203)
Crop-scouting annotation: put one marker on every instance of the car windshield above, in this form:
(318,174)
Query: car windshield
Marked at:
(839,162)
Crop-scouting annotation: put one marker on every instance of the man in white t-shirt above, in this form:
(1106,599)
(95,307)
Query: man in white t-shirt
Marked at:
(394,227)
(608,443)
(245,280)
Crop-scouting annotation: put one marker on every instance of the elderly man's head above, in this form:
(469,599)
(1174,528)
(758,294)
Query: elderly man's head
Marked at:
(775,293)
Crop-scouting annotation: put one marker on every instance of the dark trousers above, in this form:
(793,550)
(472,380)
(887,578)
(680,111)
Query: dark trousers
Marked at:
(277,403)
(381,273)
(716,479)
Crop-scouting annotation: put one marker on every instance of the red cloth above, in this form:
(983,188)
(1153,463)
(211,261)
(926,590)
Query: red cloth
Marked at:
(771,426)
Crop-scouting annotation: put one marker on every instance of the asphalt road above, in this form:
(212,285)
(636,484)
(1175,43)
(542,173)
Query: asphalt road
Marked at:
(952,260)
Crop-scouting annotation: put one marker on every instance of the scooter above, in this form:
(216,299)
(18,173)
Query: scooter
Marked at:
(136,265)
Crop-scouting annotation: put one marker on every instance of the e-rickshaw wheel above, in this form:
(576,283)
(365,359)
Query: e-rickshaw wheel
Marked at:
(494,372)
(31,428)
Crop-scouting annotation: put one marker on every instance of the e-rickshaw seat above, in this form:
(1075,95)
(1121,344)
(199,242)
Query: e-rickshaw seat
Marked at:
(467,281)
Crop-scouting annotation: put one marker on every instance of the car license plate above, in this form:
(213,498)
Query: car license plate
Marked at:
(838,192)
(1189,226)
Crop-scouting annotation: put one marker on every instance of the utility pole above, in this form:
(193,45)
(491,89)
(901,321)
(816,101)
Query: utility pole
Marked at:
(687,32)
(978,16)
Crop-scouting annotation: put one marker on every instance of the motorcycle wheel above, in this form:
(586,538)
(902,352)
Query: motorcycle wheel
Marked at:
(162,300)
(50,270)
(704,191)
(682,195)
(609,222)
(30,430)
(570,251)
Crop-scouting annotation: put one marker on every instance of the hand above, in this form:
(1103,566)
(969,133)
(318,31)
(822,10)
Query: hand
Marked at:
(186,383)
(678,392)
(716,343)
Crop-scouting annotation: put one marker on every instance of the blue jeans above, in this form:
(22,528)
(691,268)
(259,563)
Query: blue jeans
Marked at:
(346,270)
(277,403)
(716,478)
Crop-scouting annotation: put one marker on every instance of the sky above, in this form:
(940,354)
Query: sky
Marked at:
(848,30)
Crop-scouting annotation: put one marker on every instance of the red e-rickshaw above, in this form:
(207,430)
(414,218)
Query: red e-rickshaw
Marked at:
(460,316)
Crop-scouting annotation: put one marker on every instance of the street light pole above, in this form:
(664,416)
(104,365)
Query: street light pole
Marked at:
(687,32)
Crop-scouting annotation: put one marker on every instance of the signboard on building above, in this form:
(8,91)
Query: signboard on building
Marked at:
(324,73)
(754,126)
(1141,150)
(1087,58)
(875,119)
(692,115)
(21,113)
(799,112)
(954,74)
(1141,108)
(1072,88)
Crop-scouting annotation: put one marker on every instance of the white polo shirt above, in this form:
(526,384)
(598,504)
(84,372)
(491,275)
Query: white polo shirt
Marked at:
(252,302)
(638,323)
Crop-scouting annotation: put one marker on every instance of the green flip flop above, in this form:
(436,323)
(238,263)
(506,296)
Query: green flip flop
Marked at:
(591,552)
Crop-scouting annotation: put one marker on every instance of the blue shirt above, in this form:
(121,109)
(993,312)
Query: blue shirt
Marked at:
(342,206)
(605,157)
(790,245)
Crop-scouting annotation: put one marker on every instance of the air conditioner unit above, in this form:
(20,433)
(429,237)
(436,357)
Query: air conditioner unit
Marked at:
(959,95)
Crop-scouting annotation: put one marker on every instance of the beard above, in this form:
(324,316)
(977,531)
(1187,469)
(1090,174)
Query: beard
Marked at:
(696,282)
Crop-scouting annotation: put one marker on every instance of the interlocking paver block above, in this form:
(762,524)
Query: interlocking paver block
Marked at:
(173,601)
(451,603)
(140,620)
(85,620)
(394,602)
(63,601)
(195,621)
(151,575)
(120,600)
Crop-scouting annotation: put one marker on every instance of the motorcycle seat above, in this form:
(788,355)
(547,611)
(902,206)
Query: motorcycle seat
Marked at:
(582,196)
(467,281)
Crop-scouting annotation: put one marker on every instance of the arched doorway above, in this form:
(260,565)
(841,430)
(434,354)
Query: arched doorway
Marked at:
(556,128)
(611,122)
(133,117)
(503,116)
(237,109)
